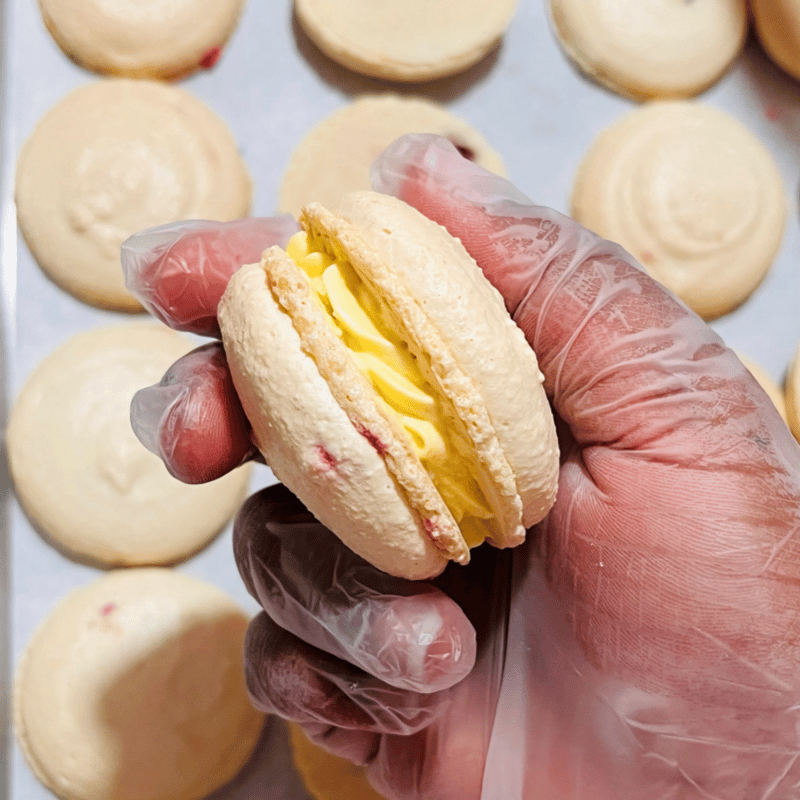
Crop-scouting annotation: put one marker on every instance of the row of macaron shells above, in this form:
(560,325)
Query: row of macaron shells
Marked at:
(131,153)
(109,137)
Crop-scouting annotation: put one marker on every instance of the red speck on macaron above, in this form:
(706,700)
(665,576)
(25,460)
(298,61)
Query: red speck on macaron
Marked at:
(211,57)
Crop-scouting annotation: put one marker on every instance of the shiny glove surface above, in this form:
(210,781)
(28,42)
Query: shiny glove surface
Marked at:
(641,644)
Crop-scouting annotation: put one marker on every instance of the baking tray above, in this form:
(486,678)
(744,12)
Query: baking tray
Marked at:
(271,86)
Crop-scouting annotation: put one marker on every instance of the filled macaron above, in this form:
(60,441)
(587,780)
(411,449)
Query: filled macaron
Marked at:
(389,388)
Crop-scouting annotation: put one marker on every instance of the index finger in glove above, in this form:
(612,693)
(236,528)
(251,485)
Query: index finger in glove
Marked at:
(179,271)
(408,634)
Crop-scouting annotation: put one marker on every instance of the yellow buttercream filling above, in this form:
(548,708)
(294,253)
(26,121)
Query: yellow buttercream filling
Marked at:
(383,357)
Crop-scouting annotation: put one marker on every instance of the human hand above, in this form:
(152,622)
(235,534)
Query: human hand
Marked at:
(649,647)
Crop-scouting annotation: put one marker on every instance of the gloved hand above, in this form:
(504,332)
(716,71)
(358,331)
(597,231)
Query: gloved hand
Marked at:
(643,644)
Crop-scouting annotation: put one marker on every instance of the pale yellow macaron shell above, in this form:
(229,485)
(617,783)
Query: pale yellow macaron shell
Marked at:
(133,689)
(658,48)
(335,157)
(326,776)
(792,395)
(80,472)
(114,157)
(139,39)
(405,40)
(470,316)
(778,26)
(689,192)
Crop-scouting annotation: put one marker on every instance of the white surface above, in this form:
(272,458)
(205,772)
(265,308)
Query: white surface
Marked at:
(271,85)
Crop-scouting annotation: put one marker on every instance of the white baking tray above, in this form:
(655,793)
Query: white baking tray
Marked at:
(271,85)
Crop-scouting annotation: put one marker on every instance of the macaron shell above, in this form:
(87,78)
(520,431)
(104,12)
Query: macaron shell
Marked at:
(133,687)
(309,441)
(653,49)
(405,40)
(792,395)
(82,476)
(692,194)
(141,39)
(335,157)
(467,313)
(777,23)
(113,157)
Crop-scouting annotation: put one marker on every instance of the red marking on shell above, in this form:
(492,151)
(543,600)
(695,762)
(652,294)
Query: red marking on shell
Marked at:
(211,57)
(326,460)
(430,528)
(373,440)
(772,112)
(107,609)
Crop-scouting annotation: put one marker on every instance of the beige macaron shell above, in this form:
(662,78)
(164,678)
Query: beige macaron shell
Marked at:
(691,194)
(777,23)
(133,689)
(114,157)
(471,320)
(81,474)
(405,40)
(659,48)
(792,395)
(309,441)
(767,384)
(335,157)
(326,776)
(141,39)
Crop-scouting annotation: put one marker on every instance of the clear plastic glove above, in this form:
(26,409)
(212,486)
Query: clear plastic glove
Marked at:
(643,644)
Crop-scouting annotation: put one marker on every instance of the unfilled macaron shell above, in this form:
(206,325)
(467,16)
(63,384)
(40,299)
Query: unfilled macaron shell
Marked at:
(335,157)
(138,39)
(792,395)
(114,157)
(777,23)
(133,689)
(81,474)
(692,194)
(651,49)
(405,40)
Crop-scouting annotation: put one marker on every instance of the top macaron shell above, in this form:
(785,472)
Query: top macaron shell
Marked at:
(470,316)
